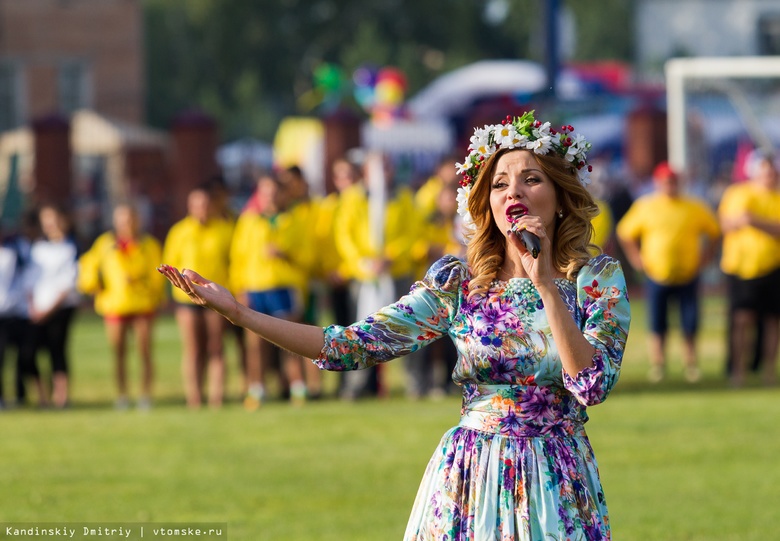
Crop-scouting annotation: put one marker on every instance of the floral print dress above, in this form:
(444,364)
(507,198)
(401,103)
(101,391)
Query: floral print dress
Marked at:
(519,465)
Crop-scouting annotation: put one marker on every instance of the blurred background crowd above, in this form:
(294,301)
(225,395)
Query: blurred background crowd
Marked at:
(336,258)
(313,170)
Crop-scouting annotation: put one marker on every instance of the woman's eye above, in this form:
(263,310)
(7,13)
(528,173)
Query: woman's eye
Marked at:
(531,180)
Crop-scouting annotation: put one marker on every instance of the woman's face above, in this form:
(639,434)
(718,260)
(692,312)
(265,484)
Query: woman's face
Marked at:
(198,205)
(125,222)
(344,175)
(766,174)
(52,224)
(519,187)
(269,193)
(447,201)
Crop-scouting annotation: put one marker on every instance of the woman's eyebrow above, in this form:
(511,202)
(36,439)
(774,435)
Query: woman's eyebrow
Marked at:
(524,171)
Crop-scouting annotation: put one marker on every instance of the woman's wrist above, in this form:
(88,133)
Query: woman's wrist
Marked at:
(235,314)
(546,287)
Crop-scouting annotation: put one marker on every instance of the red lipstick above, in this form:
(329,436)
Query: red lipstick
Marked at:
(515,211)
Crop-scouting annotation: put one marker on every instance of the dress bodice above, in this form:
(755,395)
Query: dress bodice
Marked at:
(503,337)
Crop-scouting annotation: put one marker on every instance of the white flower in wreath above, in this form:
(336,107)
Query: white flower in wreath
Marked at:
(584,176)
(541,146)
(542,131)
(463,168)
(463,207)
(522,141)
(576,151)
(480,139)
(506,136)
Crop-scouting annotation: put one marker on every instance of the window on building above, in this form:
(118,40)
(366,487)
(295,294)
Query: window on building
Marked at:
(73,87)
(11,105)
(769,34)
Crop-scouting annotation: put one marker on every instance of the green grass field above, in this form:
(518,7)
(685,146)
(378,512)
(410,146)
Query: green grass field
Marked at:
(678,461)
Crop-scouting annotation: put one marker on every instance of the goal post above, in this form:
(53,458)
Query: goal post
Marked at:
(724,74)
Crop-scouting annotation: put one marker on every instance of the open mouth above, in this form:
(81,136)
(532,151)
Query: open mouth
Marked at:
(514,212)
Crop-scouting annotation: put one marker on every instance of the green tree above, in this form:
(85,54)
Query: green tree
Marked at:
(247,63)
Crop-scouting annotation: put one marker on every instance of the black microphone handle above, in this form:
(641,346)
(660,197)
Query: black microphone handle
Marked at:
(531,242)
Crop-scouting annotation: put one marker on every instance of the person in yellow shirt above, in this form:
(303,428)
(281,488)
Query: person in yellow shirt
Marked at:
(402,227)
(750,217)
(670,237)
(331,268)
(266,274)
(219,203)
(302,210)
(442,228)
(603,224)
(443,235)
(446,176)
(120,271)
(388,266)
(200,240)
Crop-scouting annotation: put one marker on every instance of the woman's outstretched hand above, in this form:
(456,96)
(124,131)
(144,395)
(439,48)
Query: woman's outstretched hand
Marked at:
(303,339)
(201,291)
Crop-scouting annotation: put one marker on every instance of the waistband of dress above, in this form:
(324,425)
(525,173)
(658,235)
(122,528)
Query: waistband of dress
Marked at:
(521,411)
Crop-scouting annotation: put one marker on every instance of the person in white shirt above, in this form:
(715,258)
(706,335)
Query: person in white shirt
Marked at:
(53,294)
(14,318)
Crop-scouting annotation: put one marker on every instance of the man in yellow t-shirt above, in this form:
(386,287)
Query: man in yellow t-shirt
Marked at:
(750,217)
(670,237)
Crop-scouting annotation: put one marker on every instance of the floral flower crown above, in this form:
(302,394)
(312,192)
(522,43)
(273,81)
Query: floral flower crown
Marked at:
(520,132)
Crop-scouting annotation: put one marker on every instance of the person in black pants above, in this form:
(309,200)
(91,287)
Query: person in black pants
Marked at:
(14,319)
(53,296)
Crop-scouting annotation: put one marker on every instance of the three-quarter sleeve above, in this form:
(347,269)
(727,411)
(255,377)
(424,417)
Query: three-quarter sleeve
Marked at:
(602,301)
(415,320)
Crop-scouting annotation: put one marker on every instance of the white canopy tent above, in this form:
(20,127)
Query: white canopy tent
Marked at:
(456,90)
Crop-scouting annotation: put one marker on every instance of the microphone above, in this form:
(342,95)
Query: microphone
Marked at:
(531,242)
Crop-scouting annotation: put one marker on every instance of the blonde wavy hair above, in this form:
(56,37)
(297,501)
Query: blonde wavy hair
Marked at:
(571,239)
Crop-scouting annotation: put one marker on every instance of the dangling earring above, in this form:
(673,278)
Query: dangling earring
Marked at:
(560,213)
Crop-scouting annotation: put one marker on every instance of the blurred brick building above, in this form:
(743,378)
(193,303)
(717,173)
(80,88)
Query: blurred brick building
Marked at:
(72,113)
(58,56)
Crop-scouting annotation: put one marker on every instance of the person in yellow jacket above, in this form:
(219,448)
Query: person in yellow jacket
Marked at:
(200,240)
(428,203)
(426,198)
(370,264)
(219,203)
(750,217)
(443,235)
(662,235)
(402,227)
(331,268)
(442,231)
(303,211)
(120,271)
(267,274)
